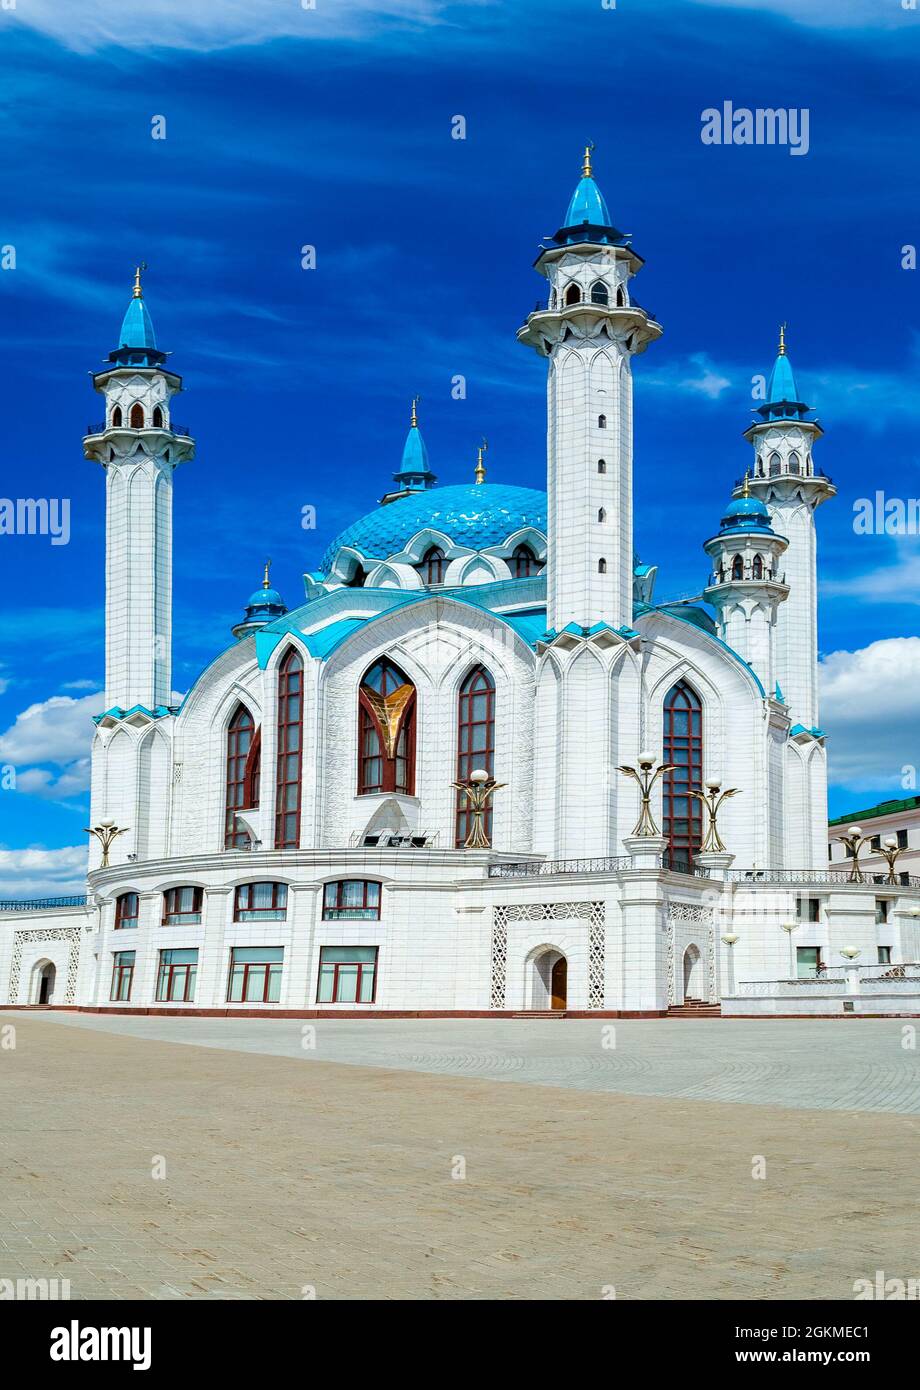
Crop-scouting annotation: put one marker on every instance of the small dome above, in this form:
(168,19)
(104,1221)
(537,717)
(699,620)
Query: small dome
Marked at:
(587,205)
(265,604)
(746,513)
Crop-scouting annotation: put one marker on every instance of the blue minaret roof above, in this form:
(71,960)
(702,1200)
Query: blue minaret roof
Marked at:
(745,513)
(414,471)
(264,605)
(782,401)
(137,343)
(587,218)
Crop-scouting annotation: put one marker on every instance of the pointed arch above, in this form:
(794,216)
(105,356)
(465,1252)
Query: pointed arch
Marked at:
(794,463)
(432,565)
(136,418)
(386,731)
(682,814)
(775,465)
(524,562)
(475,742)
(117,417)
(599,293)
(243,756)
(573,294)
(290,750)
(737,567)
(157,417)
(757,569)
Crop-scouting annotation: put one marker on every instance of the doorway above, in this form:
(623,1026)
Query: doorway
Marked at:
(558,982)
(693,974)
(46,983)
(548,979)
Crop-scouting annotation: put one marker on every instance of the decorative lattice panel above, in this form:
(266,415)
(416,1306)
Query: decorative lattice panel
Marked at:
(23,938)
(593,913)
(499,957)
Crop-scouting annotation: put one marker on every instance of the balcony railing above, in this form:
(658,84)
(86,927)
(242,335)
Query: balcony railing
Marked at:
(102,425)
(819,876)
(40,904)
(541,867)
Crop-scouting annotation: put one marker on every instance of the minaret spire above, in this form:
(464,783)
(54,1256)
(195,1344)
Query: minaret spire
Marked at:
(782,341)
(586,171)
(480,466)
(138,291)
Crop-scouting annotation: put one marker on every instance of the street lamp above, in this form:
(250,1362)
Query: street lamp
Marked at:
(711,799)
(106,832)
(645,779)
(789,928)
(854,841)
(729,939)
(479,788)
(850,952)
(890,850)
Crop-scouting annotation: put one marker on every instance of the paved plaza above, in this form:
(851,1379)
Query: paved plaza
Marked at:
(223,1158)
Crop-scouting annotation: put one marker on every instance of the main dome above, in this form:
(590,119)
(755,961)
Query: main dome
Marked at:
(473,515)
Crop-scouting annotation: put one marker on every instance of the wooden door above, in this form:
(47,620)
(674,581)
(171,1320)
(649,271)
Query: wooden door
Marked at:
(558,984)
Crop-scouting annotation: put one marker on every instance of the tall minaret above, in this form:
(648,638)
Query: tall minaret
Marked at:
(139,447)
(784,477)
(589,330)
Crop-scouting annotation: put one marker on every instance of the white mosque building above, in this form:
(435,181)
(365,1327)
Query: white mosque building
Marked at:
(291,837)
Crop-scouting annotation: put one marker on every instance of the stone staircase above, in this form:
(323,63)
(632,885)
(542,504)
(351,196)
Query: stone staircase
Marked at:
(694,1008)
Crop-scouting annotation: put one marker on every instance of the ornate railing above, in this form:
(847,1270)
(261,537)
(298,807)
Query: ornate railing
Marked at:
(40,904)
(904,880)
(539,867)
(102,425)
(683,866)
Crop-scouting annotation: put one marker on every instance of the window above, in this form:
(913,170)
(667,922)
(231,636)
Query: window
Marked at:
(181,907)
(807,961)
(599,293)
(357,579)
(157,417)
(260,902)
(127,906)
(902,839)
(122,975)
(351,899)
(347,975)
(573,295)
(255,975)
(737,568)
(243,747)
(601,514)
(621,297)
(882,909)
(808,909)
(386,731)
(475,743)
(524,562)
(602,465)
(602,566)
(884,955)
(136,418)
(290,740)
(875,842)
(432,566)
(116,417)
(602,422)
(757,568)
(775,466)
(682,814)
(794,463)
(176,976)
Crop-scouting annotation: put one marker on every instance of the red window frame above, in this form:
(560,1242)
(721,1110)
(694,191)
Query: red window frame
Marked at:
(290,751)
(136,418)
(167,972)
(682,814)
(125,918)
(244,741)
(120,974)
(276,911)
(174,915)
(376,771)
(361,967)
(477,686)
(367,910)
(524,562)
(433,565)
(251,966)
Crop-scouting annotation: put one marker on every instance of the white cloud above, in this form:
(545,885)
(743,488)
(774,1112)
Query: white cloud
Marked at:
(898,582)
(696,374)
(825,14)
(870,707)
(56,732)
(205,25)
(42,873)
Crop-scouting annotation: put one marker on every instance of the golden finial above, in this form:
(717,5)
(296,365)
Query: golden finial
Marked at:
(266,581)
(480,466)
(414,421)
(138,292)
(782,340)
(586,172)
(746,485)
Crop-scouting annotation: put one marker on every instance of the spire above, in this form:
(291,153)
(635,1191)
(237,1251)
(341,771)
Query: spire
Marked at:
(266,581)
(480,466)
(137,343)
(783,400)
(782,340)
(414,473)
(138,292)
(264,606)
(586,163)
(587,218)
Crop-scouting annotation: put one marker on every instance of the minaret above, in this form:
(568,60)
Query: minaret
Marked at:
(138,446)
(589,330)
(784,477)
(413,474)
(264,606)
(747,584)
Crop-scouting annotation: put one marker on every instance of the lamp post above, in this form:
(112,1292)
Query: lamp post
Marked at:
(712,800)
(789,928)
(891,850)
(645,779)
(730,938)
(854,841)
(479,788)
(106,832)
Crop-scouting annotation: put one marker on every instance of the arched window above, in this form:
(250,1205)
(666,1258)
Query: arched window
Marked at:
(682,814)
(775,466)
(290,746)
(599,293)
(524,562)
(737,568)
(602,566)
(127,907)
(601,514)
(157,417)
(794,466)
(386,731)
(621,297)
(116,417)
(475,741)
(721,573)
(757,568)
(432,566)
(602,465)
(552,300)
(602,422)
(357,579)
(573,295)
(136,418)
(243,744)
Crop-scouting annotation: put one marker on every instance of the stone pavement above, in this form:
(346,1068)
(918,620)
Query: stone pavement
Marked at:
(286,1173)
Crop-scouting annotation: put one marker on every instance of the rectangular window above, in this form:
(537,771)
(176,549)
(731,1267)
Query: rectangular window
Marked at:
(875,842)
(809,909)
(902,839)
(882,908)
(176,976)
(122,975)
(181,907)
(260,902)
(255,975)
(347,975)
(884,955)
(126,910)
(353,899)
(808,958)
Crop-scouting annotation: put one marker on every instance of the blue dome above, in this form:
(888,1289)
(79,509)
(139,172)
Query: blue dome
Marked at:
(265,598)
(137,327)
(746,514)
(472,515)
(782,382)
(587,205)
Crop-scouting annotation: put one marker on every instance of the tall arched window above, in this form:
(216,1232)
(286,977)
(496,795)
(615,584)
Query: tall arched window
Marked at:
(737,568)
(432,566)
(601,514)
(116,417)
(599,293)
(602,566)
(602,422)
(524,562)
(136,419)
(775,466)
(757,567)
(682,814)
(573,295)
(621,298)
(386,731)
(157,417)
(243,743)
(794,463)
(290,751)
(475,741)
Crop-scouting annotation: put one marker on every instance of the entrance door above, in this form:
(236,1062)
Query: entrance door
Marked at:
(46,984)
(558,983)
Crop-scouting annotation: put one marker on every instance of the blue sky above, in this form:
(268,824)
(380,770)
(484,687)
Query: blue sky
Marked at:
(332,127)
